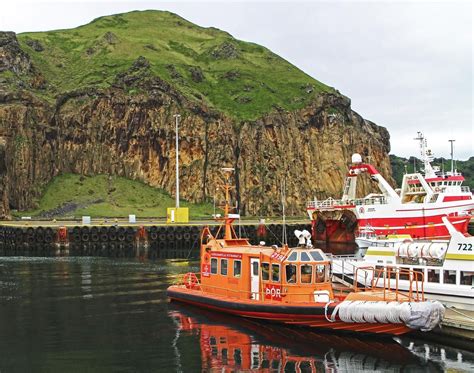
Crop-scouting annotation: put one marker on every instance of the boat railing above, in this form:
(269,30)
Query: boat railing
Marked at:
(388,278)
(343,269)
(465,189)
(345,203)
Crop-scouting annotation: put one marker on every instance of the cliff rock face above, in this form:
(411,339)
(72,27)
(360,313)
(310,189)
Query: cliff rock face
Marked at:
(127,129)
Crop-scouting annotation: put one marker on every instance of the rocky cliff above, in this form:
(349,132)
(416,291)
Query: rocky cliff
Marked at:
(125,127)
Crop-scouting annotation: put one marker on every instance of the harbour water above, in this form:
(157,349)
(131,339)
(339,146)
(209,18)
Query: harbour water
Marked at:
(112,315)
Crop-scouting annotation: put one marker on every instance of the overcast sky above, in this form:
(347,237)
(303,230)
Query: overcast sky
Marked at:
(406,65)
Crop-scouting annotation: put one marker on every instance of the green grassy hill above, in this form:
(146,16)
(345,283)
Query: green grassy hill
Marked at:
(398,167)
(243,80)
(103,196)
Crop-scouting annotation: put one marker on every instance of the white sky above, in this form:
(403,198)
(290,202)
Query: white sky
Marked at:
(406,65)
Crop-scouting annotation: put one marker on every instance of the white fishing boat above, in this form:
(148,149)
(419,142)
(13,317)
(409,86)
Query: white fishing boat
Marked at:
(367,237)
(446,267)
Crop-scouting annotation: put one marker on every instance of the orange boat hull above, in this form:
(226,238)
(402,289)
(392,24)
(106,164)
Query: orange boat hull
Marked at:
(309,315)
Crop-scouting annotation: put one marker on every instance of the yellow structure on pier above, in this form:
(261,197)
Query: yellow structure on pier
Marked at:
(177,215)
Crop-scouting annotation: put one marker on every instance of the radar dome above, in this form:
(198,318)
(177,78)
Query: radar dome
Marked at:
(356,158)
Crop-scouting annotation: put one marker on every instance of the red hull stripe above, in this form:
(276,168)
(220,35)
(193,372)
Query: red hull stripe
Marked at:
(450,178)
(411,223)
(287,318)
(456,198)
(416,227)
(436,208)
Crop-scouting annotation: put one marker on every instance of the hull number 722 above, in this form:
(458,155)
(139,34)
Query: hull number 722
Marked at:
(465,246)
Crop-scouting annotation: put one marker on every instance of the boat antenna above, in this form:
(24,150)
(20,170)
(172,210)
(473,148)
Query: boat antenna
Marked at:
(452,156)
(284,238)
(237,208)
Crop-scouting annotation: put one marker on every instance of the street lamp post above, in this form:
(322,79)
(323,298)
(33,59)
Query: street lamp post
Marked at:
(177,116)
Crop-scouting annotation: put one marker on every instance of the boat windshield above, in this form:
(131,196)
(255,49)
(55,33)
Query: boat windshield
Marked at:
(301,255)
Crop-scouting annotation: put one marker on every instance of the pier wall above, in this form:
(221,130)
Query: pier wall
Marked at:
(125,241)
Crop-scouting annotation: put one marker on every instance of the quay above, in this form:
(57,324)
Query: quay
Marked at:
(148,238)
(457,329)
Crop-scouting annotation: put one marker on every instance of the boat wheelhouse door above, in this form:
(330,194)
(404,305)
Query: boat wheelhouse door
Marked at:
(254,278)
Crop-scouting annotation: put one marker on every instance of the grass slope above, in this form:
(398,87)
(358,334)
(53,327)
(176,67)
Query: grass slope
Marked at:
(241,79)
(465,167)
(103,196)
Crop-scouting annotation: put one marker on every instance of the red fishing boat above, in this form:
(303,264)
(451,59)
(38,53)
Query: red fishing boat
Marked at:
(417,209)
(293,286)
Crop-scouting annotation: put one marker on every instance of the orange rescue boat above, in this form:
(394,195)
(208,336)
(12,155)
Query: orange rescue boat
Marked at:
(293,286)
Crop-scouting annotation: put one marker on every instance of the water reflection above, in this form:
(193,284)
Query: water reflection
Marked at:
(230,344)
(443,357)
(99,314)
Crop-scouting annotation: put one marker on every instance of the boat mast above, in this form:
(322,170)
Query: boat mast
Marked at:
(452,156)
(426,156)
(284,236)
(228,220)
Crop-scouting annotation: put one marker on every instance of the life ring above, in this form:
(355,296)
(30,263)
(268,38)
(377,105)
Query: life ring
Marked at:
(190,280)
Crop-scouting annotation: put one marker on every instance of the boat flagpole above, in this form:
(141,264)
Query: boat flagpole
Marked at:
(284,236)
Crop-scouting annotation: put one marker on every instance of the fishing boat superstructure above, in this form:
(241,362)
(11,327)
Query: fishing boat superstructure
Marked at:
(293,286)
(416,210)
(447,265)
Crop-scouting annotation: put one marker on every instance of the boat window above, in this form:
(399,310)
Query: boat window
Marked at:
(255,359)
(404,274)
(237,356)
(305,366)
(305,257)
(467,278)
(214,266)
(320,273)
(392,272)
(265,271)
(224,267)
(449,277)
(254,268)
(316,256)
(306,272)
(290,270)
(433,275)
(293,256)
(276,272)
(237,268)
